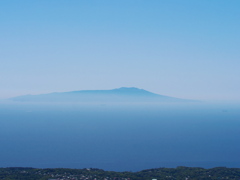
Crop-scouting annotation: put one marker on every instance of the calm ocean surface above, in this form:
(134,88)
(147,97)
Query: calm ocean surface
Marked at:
(120,138)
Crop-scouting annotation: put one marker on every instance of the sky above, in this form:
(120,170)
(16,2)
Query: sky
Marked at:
(186,49)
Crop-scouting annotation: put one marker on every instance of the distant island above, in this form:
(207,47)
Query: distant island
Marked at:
(124,94)
(181,173)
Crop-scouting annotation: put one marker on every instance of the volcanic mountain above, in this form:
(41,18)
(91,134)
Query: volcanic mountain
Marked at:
(124,94)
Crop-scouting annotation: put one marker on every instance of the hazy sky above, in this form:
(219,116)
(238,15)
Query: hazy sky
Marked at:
(181,48)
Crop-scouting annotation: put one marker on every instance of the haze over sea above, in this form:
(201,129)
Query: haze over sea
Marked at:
(121,137)
(186,49)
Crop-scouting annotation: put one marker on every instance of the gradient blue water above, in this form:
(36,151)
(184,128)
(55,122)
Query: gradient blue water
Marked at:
(113,137)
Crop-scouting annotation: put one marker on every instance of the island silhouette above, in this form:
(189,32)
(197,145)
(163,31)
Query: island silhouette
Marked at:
(123,94)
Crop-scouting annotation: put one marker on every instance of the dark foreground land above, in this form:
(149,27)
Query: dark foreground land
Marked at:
(181,173)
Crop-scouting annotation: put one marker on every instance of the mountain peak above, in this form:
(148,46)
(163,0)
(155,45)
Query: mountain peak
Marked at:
(123,94)
(128,88)
(131,91)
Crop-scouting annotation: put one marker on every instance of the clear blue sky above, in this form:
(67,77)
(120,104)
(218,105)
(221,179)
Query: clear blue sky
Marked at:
(182,48)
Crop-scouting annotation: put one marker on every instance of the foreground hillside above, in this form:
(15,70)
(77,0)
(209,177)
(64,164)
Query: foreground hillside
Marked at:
(185,173)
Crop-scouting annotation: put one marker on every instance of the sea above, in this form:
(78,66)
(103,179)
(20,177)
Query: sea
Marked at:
(119,137)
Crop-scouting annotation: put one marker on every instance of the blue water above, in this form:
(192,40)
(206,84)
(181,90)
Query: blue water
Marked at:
(120,138)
